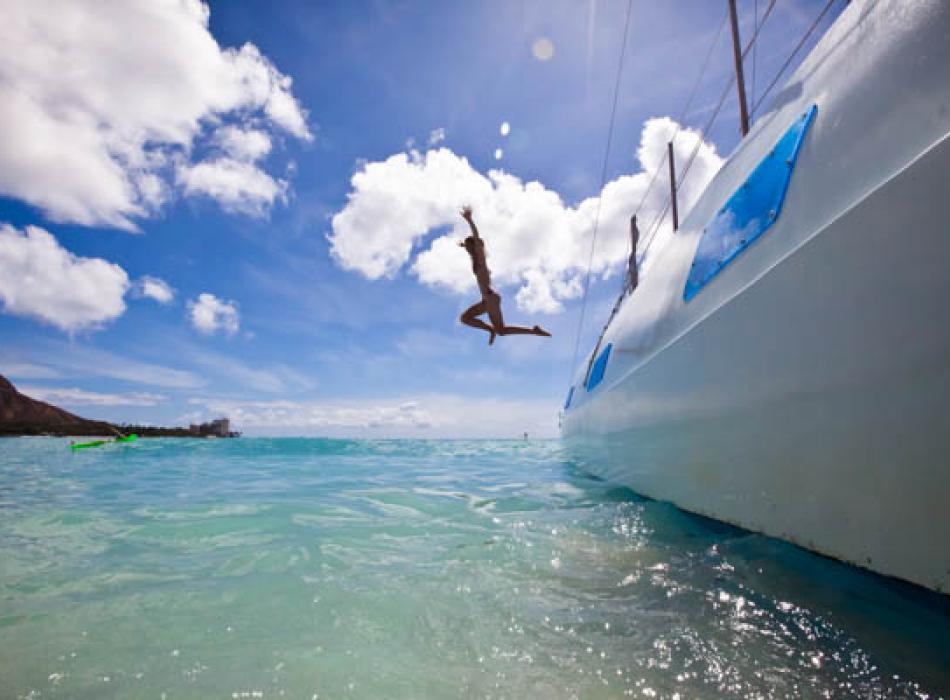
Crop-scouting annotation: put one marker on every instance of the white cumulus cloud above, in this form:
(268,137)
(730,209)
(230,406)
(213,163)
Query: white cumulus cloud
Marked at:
(436,136)
(42,280)
(209,314)
(536,242)
(237,185)
(243,144)
(101,101)
(155,288)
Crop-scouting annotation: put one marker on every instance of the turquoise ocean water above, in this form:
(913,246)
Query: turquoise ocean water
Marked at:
(260,568)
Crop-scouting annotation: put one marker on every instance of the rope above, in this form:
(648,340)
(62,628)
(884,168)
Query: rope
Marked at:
(603,181)
(791,56)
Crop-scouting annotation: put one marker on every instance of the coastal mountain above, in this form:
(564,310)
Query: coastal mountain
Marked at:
(22,415)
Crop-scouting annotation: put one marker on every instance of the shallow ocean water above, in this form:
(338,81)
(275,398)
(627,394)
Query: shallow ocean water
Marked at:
(259,568)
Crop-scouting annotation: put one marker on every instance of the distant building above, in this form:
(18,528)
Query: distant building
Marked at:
(220,427)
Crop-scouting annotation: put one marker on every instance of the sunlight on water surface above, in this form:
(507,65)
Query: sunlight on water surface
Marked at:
(261,568)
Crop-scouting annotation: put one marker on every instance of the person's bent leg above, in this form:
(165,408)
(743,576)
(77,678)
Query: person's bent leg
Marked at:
(493,305)
(470,318)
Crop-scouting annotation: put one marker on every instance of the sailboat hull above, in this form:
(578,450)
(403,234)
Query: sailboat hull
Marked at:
(815,406)
(809,399)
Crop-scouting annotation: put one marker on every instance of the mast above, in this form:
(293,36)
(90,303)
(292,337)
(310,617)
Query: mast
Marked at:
(740,78)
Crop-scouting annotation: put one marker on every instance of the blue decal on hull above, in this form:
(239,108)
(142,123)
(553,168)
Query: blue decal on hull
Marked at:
(570,395)
(751,209)
(598,368)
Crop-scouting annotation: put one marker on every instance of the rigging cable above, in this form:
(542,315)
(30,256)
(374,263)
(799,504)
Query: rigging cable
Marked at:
(603,180)
(677,129)
(686,107)
(653,229)
(659,167)
(755,14)
(791,56)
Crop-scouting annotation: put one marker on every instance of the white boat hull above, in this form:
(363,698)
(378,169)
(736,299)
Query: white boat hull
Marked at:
(804,394)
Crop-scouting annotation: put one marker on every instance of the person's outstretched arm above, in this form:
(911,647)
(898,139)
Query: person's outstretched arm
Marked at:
(467,215)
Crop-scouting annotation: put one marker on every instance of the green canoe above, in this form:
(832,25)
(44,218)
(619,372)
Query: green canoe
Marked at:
(96,443)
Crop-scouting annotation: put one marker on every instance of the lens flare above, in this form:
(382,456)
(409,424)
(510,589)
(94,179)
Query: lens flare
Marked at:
(543,49)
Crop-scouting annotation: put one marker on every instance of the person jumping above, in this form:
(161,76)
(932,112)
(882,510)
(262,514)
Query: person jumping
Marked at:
(491,300)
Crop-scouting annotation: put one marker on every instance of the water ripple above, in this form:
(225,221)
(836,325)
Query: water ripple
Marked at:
(341,568)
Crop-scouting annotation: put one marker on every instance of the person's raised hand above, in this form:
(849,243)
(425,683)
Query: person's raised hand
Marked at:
(466,213)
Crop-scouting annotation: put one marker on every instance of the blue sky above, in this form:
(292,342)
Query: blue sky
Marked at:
(289,309)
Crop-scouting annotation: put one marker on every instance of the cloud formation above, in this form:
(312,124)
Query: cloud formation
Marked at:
(239,186)
(103,105)
(155,288)
(72,396)
(40,279)
(243,144)
(425,416)
(293,414)
(273,378)
(11,368)
(56,359)
(208,314)
(535,241)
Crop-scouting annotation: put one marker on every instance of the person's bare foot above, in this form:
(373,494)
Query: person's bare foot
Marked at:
(538,330)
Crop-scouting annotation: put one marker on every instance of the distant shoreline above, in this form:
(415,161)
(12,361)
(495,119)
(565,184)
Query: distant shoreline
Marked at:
(21,415)
(85,431)
(107,430)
